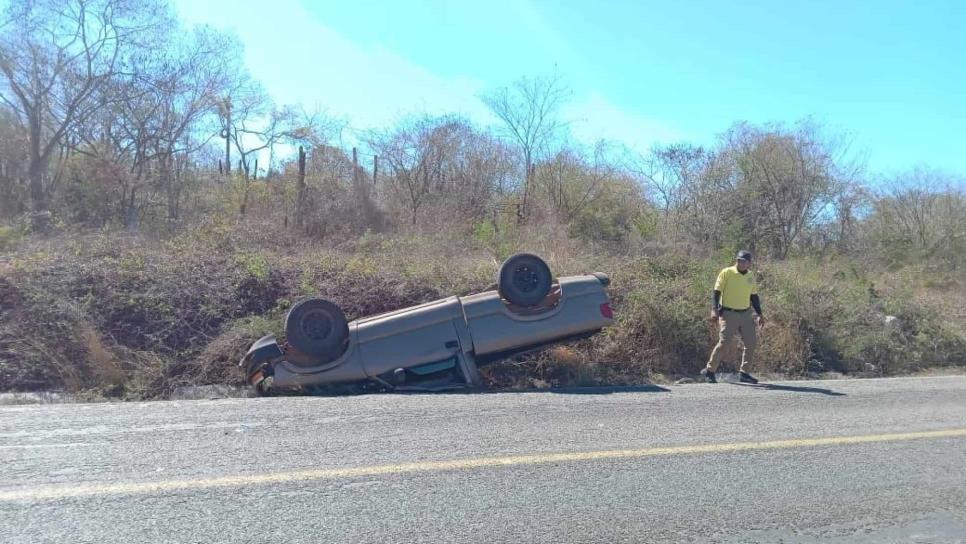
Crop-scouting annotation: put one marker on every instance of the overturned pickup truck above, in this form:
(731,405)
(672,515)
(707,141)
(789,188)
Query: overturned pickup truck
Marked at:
(433,346)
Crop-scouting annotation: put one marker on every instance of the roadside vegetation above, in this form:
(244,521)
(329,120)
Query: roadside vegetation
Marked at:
(137,255)
(134,317)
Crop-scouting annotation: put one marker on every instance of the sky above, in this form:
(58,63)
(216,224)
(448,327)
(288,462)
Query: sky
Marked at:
(889,75)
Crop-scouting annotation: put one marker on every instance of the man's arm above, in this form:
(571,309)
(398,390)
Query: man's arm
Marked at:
(719,285)
(756,303)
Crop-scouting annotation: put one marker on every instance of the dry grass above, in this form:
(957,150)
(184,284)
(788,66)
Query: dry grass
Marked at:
(137,318)
(103,362)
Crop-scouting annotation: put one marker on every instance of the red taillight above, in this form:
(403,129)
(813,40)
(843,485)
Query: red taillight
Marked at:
(606,311)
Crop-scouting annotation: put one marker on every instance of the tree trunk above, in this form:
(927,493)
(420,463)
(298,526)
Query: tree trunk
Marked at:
(38,163)
(300,202)
(131,213)
(527,179)
(170,184)
(244,203)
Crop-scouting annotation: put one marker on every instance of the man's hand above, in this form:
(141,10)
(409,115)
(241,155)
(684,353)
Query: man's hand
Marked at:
(760,319)
(715,315)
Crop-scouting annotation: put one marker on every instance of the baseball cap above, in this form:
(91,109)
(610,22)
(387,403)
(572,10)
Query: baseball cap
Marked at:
(744,255)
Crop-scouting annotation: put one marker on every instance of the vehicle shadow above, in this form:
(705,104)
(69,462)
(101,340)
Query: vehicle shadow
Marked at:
(590,390)
(597,390)
(792,388)
(463,390)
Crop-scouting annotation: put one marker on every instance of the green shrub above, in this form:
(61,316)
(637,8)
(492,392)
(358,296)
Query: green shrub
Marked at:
(134,318)
(9,236)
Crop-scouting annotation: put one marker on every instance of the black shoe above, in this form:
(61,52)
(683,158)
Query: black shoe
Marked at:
(708,375)
(744,377)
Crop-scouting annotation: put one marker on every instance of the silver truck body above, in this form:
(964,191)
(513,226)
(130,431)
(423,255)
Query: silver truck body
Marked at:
(453,333)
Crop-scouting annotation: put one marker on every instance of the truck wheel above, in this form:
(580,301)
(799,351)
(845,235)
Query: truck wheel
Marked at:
(317,327)
(264,388)
(524,279)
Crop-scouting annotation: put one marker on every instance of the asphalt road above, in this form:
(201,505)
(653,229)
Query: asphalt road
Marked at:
(832,461)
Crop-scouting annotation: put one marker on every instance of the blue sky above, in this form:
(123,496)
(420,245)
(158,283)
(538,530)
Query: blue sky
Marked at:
(891,75)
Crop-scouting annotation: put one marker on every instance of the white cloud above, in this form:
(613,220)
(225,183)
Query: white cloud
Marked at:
(369,84)
(596,118)
(373,86)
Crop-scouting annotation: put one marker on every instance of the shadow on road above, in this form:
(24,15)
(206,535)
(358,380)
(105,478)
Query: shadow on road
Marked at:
(792,388)
(600,390)
(594,390)
(462,390)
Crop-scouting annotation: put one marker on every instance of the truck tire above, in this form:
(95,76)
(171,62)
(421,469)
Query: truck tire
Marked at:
(524,279)
(318,328)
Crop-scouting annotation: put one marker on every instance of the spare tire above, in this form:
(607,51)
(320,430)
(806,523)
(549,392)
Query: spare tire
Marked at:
(524,279)
(317,327)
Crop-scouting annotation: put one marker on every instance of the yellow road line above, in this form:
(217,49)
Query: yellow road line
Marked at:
(138,488)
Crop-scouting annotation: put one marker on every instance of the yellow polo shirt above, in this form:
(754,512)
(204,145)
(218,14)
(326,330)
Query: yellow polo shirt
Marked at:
(736,288)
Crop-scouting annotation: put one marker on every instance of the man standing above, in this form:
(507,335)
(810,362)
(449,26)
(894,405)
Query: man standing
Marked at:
(735,293)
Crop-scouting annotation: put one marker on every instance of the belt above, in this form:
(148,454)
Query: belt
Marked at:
(726,309)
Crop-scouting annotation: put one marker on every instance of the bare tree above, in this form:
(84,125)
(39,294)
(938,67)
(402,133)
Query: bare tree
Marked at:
(529,110)
(572,181)
(487,167)
(787,179)
(245,114)
(671,170)
(850,203)
(327,204)
(13,164)
(314,130)
(157,112)
(54,57)
(446,166)
(922,209)
(336,197)
(416,153)
(253,124)
(187,85)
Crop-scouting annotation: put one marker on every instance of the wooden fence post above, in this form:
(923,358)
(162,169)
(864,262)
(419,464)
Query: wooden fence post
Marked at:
(300,202)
